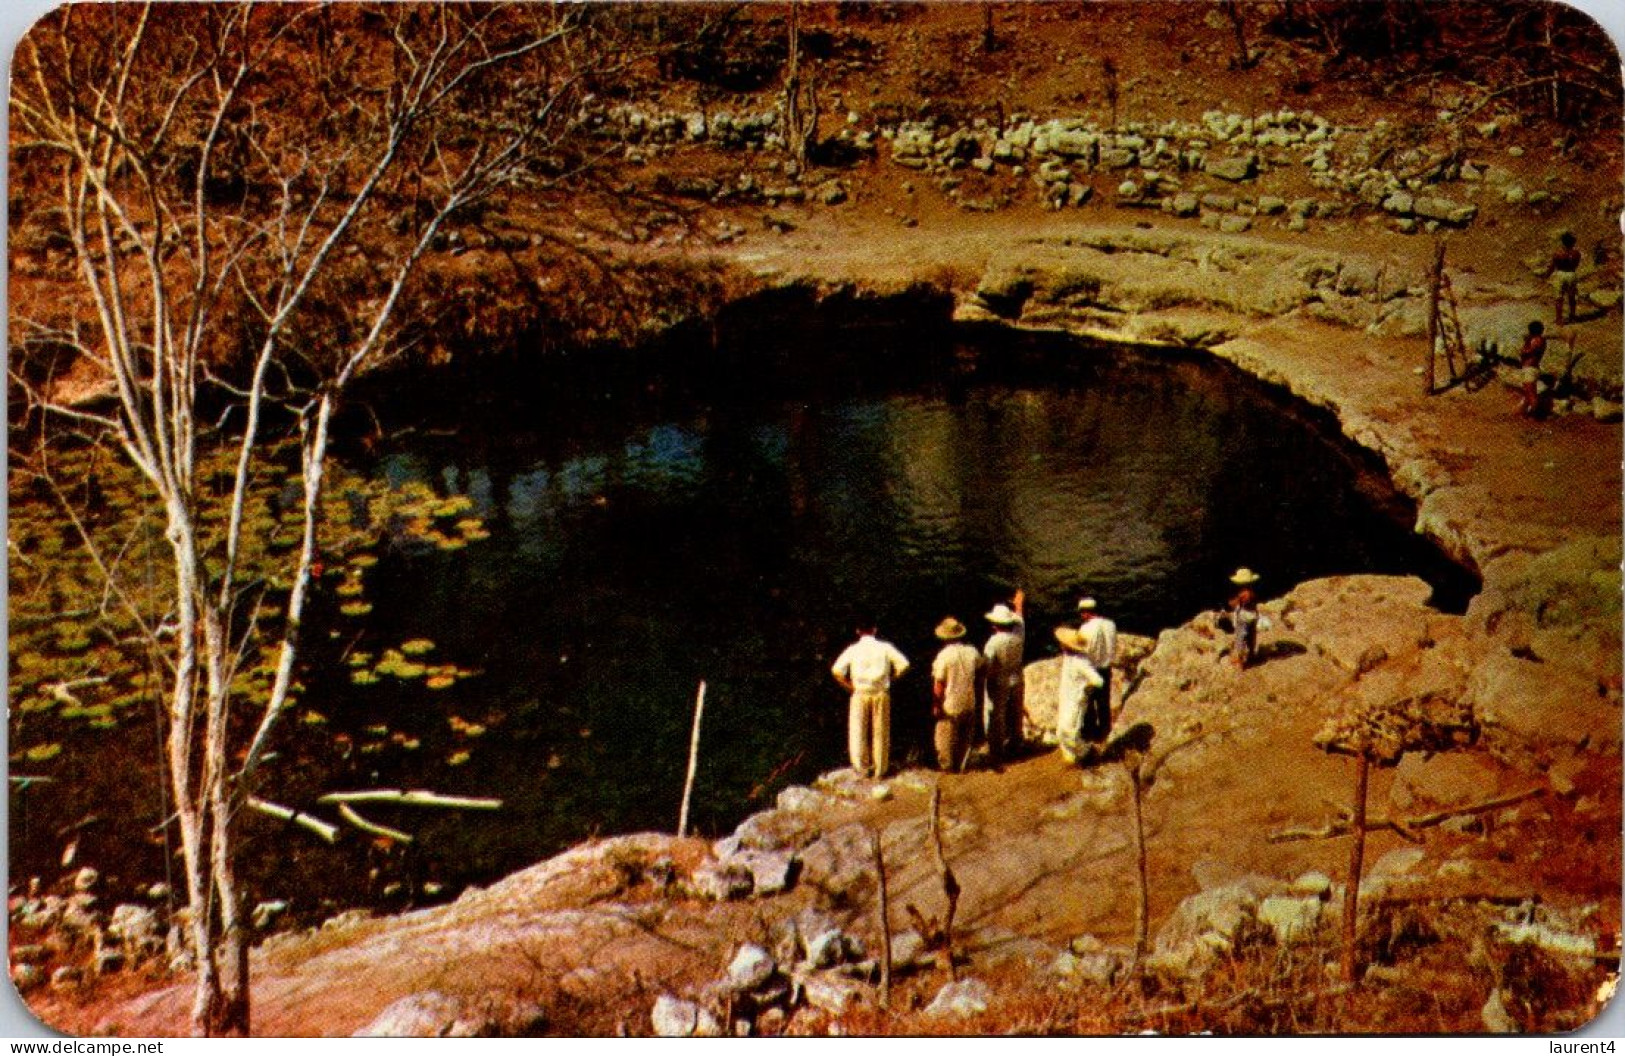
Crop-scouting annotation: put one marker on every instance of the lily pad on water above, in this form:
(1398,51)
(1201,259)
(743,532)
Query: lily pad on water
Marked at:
(440,681)
(458,758)
(464,727)
(43,752)
(356,608)
(363,678)
(363,560)
(394,663)
(417,646)
(453,506)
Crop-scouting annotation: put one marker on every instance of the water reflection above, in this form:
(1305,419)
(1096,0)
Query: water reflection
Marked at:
(735,537)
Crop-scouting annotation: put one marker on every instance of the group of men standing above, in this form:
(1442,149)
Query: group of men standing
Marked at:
(978,694)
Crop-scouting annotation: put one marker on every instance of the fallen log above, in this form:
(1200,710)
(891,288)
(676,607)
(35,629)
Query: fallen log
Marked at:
(415,798)
(321,828)
(348,814)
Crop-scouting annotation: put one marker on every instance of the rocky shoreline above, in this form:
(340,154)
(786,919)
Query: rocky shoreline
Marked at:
(771,929)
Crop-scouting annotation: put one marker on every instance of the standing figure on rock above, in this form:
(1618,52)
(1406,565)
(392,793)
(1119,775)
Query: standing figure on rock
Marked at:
(1243,612)
(866,669)
(1098,636)
(1078,679)
(1565,276)
(1003,707)
(1529,357)
(956,687)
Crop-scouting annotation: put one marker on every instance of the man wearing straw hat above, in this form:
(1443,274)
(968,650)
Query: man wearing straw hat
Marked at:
(1098,637)
(1243,611)
(1002,710)
(1078,678)
(957,675)
(866,669)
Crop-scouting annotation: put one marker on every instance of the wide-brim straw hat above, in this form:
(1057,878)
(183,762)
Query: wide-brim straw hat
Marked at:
(1244,577)
(1069,638)
(1003,616)
(950,629)
(1086,605)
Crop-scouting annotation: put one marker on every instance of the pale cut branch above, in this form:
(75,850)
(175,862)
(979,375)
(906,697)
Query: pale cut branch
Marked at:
(413,798)
(326,831)
(348,813)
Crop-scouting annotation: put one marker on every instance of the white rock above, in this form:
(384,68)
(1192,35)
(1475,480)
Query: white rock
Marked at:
(675,1018)
(832,994)
(967,997)
(1293,919)
(430,1014)
(752,966)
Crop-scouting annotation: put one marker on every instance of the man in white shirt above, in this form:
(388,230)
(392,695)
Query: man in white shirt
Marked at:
(1097,639)
(1002,712)
(866,669)
(956,690)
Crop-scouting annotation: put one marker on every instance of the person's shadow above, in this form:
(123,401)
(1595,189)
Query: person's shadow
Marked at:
(1277,649)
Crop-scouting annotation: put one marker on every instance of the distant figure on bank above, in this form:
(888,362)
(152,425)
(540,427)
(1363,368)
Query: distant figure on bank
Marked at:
(1098,636)
(1078,679)
(1004,704)
(1529,357)
(1243,611)
(866,669)
(1565,277)
(956,687)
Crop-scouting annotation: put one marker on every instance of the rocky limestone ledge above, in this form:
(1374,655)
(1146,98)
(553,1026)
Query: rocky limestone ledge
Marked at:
(771,928)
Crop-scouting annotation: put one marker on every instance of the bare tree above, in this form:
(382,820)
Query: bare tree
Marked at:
(246,194)
(800,96)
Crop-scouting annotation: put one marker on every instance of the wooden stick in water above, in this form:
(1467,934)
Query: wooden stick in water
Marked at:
(348,813)
(693,762)
(415,798)
(305,821)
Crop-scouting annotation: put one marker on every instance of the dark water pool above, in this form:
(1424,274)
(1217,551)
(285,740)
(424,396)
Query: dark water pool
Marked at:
(732,532)
(646,535)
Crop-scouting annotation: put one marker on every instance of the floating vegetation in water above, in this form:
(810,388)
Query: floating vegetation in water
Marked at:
(458,758)
(410,743)
(83,662)
(72,638)
(453,506)
(397,665)
(462,726)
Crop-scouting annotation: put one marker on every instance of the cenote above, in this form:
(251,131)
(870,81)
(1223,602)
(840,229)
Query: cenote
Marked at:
(725,510)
